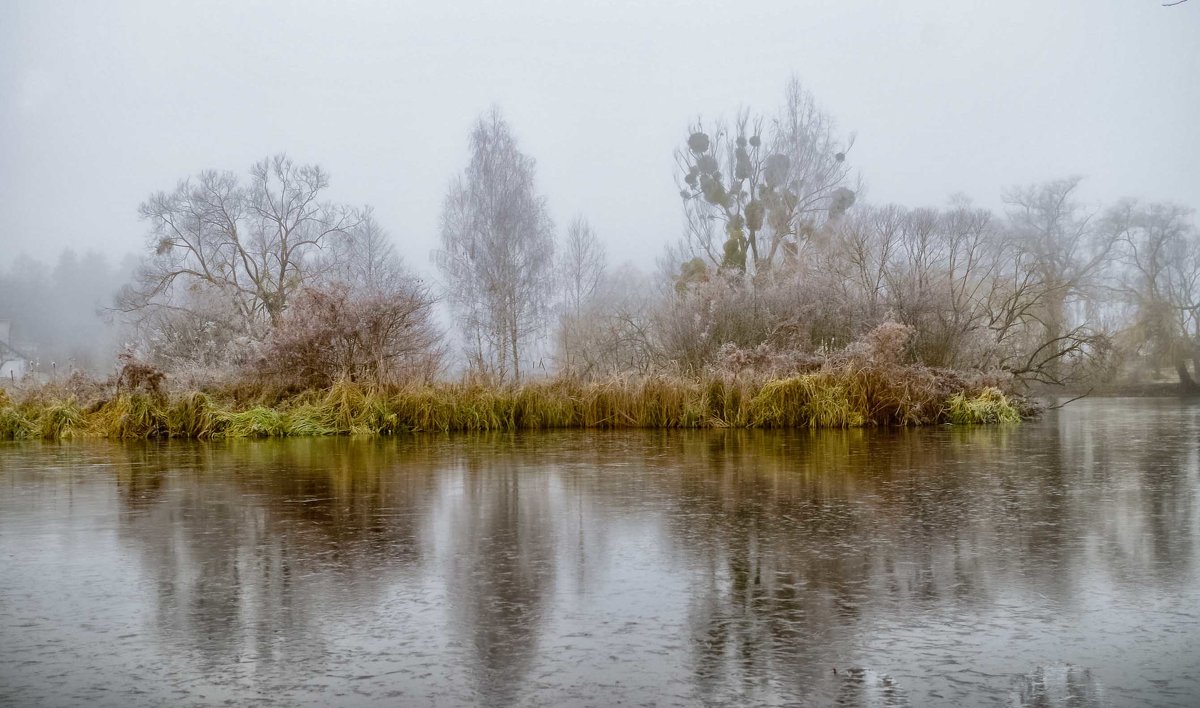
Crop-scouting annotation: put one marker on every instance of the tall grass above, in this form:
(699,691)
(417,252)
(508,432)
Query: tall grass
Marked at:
(839,398)
(14,424)
(988,406)
(132,416)
(60,420)
(194,415)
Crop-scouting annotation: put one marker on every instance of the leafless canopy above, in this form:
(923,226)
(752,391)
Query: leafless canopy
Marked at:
(497,251)
(247,246)
(581,263)
(1158,252)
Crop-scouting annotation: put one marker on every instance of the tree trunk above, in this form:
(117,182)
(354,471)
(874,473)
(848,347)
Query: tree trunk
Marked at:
(1186,382)
(516,355)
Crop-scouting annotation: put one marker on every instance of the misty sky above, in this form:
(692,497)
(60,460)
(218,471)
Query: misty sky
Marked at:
(103,103)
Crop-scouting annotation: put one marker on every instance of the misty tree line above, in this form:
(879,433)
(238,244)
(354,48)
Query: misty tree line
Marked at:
(56,310)
(782,263)
(1046,291)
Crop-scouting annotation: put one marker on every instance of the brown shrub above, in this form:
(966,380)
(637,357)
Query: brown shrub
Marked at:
(331,334)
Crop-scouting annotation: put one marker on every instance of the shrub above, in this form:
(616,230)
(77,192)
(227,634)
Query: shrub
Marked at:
(330,334)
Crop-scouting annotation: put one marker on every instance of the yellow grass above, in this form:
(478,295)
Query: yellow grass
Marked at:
(842,398)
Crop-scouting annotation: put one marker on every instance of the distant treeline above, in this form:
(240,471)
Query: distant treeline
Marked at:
(59,313)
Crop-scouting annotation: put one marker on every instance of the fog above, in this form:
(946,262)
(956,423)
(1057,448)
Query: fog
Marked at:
(58,312)
(106,104)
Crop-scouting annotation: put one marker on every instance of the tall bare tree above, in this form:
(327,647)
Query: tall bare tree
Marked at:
(1159,252)
(581,263)
(248,246)
(497,251)
(581,266)
(1063,253)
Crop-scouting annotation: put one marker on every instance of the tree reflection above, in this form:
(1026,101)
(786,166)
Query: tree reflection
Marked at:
(801,542)
(1050,686)
(502,567)
(241,540)
(794,548)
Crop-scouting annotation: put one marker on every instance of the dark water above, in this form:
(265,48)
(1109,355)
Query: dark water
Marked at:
(1051,563)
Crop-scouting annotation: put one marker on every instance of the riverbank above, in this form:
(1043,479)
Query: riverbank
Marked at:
(837,399)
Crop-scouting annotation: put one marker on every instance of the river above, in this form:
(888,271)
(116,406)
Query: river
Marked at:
(1053,562)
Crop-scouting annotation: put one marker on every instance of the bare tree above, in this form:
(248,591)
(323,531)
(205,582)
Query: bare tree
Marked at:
(861,249)
(250,246)
(1159,254)
(364,259)
(497,251)
(1063,254)
(581,266)
(581,263)
(611,332)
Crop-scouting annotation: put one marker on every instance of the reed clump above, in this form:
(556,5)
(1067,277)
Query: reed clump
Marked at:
(256,422)
(194,415)
(14,424)
(989,405)
(136,416)
(60,420)
(844,396)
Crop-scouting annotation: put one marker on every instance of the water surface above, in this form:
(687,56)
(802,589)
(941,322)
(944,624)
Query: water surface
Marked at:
(1049,563)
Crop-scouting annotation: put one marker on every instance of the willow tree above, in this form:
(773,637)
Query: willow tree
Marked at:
(755,191)
(497,251)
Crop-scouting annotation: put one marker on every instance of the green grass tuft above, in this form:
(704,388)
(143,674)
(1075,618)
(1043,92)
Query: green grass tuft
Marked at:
(257,422)
(195,416)
(988,406)
(134,416)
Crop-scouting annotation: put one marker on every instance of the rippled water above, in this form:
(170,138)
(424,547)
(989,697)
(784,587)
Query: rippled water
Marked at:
(1050,563)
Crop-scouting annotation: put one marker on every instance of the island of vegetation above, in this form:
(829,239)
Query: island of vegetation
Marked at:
(261,309)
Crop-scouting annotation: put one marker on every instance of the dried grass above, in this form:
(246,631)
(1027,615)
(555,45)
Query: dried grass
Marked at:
(851,394)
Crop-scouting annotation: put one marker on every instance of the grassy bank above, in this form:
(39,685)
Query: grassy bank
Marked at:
(825,399)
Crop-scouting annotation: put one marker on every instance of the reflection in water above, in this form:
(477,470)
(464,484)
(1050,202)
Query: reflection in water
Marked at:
(230,554)
(501,563)
(1059,686)
(1052,563)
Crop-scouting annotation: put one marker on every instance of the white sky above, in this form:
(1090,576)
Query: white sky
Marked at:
(102,103)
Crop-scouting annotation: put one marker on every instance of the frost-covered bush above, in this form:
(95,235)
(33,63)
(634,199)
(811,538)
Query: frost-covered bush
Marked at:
(330,334)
